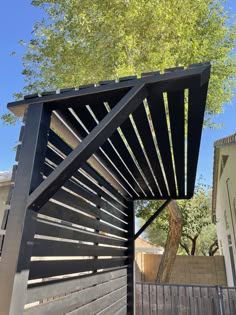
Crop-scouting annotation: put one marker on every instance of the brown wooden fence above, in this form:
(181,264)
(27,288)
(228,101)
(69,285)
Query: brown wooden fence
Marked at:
(161,299)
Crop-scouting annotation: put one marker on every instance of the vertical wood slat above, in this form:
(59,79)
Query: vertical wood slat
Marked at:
(184,299)
(66,150)
(158,115)
(196,109)
(177,123)
(67,116)
(87,119)
(122,149)
(17,244)
(148,142)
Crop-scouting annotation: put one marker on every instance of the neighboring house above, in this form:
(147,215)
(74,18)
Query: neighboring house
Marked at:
(143,246)
(5,182)
(224,201)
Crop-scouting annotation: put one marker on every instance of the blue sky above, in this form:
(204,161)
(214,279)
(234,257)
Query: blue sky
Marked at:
(17,18)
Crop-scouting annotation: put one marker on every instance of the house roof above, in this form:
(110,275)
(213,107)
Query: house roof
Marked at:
(229,140)
(152,154)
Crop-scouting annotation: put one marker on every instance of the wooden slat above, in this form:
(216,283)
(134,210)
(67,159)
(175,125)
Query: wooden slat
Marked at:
(158,115)
(115,307)
(99,304)
(47,228)
(65,149)
(44,290)
(147,139)
(56,159)
(60,212)
(77,299)
(134,144)
(45,269)
(176,113)
(197,100)
(90,123)
(44,247)
(67,116)
(76,202)
(123,151)
(88,195)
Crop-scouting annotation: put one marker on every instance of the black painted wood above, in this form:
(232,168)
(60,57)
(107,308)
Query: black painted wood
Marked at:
(79,298)
(58,287)
(158,116)
(147,139)
(134,144)
(56,159)
(197,99)
(81,191)
(60,230)
(68,117)
(177,123)
(117,141)
(43,247)
(16,253)
(45,269)
(64,148)
(99,304)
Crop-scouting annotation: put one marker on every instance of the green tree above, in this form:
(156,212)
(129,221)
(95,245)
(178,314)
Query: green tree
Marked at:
(198,231)
(84,41)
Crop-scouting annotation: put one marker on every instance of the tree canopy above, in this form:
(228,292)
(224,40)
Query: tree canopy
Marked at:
(198,232)
(84,41)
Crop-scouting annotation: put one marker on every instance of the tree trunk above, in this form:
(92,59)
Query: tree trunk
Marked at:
(172,243)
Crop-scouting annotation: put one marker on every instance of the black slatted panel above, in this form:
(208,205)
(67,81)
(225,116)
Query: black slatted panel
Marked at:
(65,149)
(104,302)
(158,115)
(43,247)
(100,111)
(60,230)
(134,144)
(77,299)
(176,114)
(147,139)
(58,287)
(45,269)
(77,189)
(56,159)
(197,100)
(90,123)
(67,116)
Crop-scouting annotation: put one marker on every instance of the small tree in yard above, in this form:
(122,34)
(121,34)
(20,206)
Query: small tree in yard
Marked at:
(186,227)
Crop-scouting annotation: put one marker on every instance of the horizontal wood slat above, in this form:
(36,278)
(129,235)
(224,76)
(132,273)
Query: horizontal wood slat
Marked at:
(56,159)
(88,195)
(55,140)
(57,211)
(77,202)
(115,307)
(46,269)
(77,299)
(99,304)
(60,230)
(44,290)
(44,247)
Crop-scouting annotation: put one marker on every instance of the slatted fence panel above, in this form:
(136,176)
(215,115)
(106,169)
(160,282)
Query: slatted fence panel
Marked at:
(163,299)
(79,257)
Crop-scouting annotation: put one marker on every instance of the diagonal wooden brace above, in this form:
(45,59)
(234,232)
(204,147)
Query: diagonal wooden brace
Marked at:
(128,104)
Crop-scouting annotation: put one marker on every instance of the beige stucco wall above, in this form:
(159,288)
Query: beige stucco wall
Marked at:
(225,211)
(200,270)
(4,189)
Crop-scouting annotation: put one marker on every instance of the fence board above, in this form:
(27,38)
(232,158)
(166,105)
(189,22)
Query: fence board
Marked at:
(171,299)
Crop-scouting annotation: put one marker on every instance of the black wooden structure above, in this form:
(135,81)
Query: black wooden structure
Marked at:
(84,156)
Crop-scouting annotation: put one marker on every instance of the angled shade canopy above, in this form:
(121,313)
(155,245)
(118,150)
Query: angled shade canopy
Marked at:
(85,155)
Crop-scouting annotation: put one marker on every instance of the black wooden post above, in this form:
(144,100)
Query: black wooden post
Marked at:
(131,261)
(17,247)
